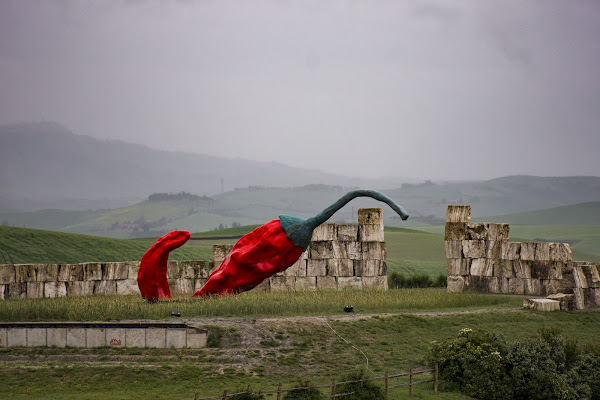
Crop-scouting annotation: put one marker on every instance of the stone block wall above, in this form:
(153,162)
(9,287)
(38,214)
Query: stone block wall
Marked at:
(481,258)
(339,256)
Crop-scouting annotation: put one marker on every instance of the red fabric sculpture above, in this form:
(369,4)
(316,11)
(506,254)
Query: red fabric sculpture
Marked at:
(152,276)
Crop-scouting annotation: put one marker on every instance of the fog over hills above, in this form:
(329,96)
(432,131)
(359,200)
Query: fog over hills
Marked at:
(44,165)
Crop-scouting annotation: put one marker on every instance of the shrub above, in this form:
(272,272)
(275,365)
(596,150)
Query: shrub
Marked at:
(398,281)
(366,390)
(303,394)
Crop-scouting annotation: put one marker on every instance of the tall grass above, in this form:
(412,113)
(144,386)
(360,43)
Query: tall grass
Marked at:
(254,303)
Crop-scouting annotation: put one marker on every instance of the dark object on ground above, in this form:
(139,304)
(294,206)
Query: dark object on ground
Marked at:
(176,314)
(348,308)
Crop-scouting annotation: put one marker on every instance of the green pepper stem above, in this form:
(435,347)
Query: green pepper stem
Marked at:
(342,201)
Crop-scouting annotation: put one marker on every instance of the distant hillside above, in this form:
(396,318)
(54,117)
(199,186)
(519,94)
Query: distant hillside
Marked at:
(577,214)
(44,165)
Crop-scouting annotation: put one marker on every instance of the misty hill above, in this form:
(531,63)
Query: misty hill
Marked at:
(577,214)
(44,165)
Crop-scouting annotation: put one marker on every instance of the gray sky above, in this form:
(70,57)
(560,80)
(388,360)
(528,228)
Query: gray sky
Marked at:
(429,89)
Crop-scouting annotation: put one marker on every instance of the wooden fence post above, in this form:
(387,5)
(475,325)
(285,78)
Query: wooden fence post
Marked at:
(224,394)
(387,388)
(435,380)
(196,396)
(333,389)
(410,383)
(279,392)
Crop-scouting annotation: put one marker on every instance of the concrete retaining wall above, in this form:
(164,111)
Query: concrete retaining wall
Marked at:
(481,258)
(99,334)
(339,256)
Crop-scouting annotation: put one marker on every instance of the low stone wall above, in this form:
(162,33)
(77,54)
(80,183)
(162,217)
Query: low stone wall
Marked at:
(339,256)
(481,258)
(102,334)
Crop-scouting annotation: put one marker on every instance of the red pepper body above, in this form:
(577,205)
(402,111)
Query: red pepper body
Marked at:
(256,256)
(152,276)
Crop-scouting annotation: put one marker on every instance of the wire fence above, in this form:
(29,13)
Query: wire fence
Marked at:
(331,388)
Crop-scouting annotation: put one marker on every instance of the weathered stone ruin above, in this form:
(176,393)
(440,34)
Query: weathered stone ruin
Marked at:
(481,258)
(339,256)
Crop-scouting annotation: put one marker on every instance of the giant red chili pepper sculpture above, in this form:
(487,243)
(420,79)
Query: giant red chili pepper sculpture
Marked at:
(152,276)
(273,247)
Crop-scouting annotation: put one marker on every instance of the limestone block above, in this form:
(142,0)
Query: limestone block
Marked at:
(36,337)
(371,233)
(156,337)
(533,286)
(92,271)
(498,232)
(479,284)
(115,270)
(80,288)
(297,269)
(324,250)
(176,338)
(133,267)
(76,337)
(212,266)
(482,267)
(264,286)
(55,289)
(511,251)
(316,267)
(106,288)
(504,285)
(592,276)
(127,286)
(565,300)
(135,337)
(458,213)
(196,338)
(555,269)
(95,337)
(3,337)
(28,272)
(220,251)
(560,252)
(370,268)
(7,274)
(522,269)
(2,291)
(456,266)
(115,337)
(340,267)
(370,216)
(579,298)
(579,276)
(540,269)
(542,251)
(477,231)
(592,298)
(56,337)
(324,232)
(493,285)
(16,337)
(49,273)
(503,268)
(35,290)
(455,231)
(16,291)
(349,282)
(549,286)
(326,283)
(283,283)
(199,282)
(528,251)
(542,304)
(375,282)
(181,286)
(193,269)
(306,283)
(516,285)
(173,270)
(350,250)
(374,250)
(493,249)
(347,233)
(456,284)
(70,272)
(453,249)
(474,248)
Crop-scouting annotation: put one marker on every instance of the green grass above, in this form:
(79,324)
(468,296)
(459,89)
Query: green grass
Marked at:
(253,303)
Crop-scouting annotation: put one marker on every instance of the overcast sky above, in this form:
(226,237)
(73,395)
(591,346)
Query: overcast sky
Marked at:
(429,89)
